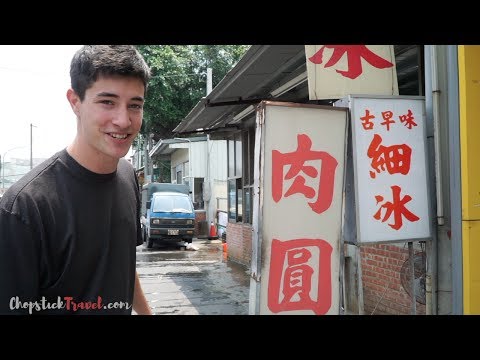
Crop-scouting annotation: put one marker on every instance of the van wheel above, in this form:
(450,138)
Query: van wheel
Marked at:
(149,243)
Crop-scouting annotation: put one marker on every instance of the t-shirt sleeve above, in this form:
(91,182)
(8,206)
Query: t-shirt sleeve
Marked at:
(19,265)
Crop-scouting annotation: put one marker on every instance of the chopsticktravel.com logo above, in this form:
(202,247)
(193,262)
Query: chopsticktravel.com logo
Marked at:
(68,303)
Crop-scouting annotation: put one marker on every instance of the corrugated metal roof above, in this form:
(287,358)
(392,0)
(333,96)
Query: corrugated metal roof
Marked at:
(276,72)
(163,148)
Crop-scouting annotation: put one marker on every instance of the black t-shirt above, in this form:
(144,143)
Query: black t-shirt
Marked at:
(68,238)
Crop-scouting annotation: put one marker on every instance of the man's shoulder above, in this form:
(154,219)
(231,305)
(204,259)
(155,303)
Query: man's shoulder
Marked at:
(125,168)
(124,163)
(29,185)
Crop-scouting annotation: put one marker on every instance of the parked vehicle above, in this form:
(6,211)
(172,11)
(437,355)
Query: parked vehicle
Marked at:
(169,213)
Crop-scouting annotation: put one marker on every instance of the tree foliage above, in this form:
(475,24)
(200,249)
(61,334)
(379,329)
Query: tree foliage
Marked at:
(179,77)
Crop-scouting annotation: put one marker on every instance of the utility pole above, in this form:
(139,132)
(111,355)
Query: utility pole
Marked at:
(150,160)
(209,80)
(145,164)
(31,146)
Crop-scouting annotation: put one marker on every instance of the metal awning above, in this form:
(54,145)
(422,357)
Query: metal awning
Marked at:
(252,79)
(162,148)
(275,72)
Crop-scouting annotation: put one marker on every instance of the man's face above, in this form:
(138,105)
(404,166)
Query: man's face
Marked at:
(110,116)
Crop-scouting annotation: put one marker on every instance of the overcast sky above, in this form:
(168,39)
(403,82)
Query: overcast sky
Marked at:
(33,85)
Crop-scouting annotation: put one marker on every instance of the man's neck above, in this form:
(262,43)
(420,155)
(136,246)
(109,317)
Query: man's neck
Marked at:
(91,159)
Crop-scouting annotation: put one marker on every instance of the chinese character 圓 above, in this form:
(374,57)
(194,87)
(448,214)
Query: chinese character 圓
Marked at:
(295,281)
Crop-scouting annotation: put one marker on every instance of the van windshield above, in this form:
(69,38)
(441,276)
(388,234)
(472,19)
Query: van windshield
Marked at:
(172,204)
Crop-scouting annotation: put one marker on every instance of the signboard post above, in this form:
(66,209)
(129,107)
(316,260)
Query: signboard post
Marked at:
(335,71)
(299,174)
(390,168)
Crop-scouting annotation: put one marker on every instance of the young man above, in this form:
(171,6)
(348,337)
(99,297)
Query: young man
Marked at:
(69,228)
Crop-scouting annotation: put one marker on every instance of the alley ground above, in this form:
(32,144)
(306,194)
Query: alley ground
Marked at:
(186,282)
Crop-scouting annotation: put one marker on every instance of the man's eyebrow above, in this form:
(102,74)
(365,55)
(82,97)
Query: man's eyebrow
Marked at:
(107,94)
(104,93)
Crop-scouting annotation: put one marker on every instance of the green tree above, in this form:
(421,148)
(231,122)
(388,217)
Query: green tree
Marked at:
(179,75)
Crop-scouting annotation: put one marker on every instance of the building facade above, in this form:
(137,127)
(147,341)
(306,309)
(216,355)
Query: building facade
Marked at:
(445,266)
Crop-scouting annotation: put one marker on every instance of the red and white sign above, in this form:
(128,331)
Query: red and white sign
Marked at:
(390,168)
(335,71)
(303,172)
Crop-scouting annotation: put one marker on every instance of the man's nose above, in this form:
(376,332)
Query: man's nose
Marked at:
(122,118)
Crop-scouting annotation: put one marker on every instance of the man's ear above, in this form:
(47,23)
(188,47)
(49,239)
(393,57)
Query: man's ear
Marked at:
(74,101)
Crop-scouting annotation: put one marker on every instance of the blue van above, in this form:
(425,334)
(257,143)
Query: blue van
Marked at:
(170,216)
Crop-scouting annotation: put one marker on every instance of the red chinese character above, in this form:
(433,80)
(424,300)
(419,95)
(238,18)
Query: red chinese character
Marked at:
(293,272)
(355,54)
(387,116)
(395,157)
(408,119)
(296,160)
(397,206)
(366,123)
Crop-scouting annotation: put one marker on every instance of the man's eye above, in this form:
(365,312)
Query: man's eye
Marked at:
(136,106)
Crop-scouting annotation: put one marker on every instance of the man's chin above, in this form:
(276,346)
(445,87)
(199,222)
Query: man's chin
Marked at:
(121,153)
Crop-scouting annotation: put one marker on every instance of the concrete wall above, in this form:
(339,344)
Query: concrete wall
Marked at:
(216,176)
(208,160)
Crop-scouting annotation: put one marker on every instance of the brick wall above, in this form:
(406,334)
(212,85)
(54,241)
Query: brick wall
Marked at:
(199,216)
(383,292)
(239,242)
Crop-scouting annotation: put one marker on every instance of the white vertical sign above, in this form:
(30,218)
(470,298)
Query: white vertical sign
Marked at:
(335,71)
(390,168)
(304,148)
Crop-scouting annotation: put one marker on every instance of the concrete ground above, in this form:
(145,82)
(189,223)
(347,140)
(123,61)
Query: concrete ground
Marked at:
(199,281)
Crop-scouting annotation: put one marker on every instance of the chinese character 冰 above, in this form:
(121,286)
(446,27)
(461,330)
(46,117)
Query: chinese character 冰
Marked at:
(355,54)
(397,207)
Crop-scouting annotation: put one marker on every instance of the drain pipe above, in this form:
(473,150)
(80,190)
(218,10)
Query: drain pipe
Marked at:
(436,136)
(432,92)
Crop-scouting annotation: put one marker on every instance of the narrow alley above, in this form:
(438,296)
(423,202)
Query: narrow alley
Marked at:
(193,282)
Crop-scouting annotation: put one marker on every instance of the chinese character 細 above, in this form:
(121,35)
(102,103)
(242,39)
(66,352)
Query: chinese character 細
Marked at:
(395,157)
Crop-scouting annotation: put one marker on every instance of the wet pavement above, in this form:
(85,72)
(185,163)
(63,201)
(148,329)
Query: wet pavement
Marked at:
(187,282)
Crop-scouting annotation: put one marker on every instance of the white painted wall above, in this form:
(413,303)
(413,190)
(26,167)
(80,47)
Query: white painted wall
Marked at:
(208,159)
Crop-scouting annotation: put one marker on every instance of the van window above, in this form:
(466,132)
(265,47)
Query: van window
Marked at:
(172,203)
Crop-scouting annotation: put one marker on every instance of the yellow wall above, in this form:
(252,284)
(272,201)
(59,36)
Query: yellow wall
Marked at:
(469,93)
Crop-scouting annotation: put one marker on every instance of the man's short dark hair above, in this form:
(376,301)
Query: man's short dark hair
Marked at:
(93,61)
